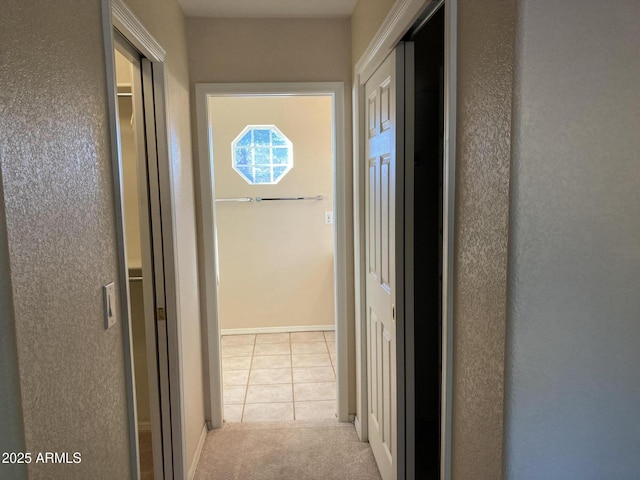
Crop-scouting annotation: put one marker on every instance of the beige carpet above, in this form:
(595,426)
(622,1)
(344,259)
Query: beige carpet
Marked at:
(323,450)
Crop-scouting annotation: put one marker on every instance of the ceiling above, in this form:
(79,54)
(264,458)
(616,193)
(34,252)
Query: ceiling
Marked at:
(267,8)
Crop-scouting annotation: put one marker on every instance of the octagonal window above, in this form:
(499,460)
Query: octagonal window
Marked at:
(261,154)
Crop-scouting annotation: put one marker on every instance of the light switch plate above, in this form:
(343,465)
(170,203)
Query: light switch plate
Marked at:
(110,310)
(328,218)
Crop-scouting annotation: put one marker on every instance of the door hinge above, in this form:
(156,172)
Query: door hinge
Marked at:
(161,316)
(393,312)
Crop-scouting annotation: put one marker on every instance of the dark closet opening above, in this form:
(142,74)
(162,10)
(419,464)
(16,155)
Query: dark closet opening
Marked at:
(428,39)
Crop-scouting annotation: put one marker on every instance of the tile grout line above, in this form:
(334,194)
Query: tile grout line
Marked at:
(246,387)
(335,379)
(334,363)
(326,344)
(293,390)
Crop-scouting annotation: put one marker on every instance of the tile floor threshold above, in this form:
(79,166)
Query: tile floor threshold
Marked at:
(279,376)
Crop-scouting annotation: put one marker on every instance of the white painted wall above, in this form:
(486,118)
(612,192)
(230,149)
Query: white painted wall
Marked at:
(275,258)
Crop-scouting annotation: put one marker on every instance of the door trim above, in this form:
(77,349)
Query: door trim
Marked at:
(209,300)
(400,19)
(117,15)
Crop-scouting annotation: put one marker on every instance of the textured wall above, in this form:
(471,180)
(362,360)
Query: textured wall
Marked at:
(58,193)
(573,383)
(278,254)
(281,50)
(11,426)
(165,21)
(485,59)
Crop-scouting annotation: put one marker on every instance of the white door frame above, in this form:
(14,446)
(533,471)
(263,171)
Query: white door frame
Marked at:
(117,15)
(209,302)
(402,16)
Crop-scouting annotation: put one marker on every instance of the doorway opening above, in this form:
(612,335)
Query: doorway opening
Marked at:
(420,78)
(425,144)
(127,65)
(273,174)
(143,260)
(274,240)
(144,222)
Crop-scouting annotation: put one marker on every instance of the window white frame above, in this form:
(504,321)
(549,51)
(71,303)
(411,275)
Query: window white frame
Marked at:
(272,166)
(207,241)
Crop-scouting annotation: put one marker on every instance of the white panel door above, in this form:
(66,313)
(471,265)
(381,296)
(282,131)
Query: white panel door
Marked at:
(380,192)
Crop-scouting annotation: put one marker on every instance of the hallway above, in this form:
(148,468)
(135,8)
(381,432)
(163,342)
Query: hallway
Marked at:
(301,450)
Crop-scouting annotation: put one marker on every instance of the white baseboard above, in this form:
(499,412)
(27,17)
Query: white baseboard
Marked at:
(144,426)
(196,458)
(251,331)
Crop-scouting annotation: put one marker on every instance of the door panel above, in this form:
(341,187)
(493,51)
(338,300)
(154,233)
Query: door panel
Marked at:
(138,71)
(385,233)
(158,317)
(380,254)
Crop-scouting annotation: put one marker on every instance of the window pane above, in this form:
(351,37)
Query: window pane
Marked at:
(246,172)
(245,141)
(281,156)
(261,138)
(262,156)
(278,172)
(263,175)
(243,156)
(277,139)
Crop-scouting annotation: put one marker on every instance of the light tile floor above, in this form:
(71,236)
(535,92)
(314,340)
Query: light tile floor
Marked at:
(279,376)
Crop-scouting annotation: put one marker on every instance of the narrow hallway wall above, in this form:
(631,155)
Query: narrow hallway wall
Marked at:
(485,81)
(573,383)
(58,198)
